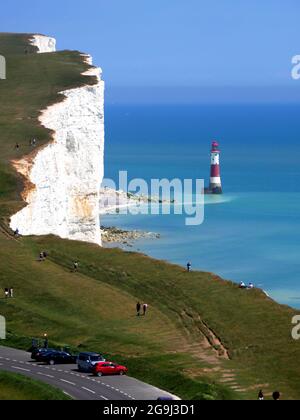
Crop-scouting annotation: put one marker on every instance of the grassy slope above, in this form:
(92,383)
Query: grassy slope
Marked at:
(17,387)
(95,308)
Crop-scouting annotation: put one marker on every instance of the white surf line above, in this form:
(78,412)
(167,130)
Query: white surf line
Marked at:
(19,368)
(67,382)
(44,374)
(88,390)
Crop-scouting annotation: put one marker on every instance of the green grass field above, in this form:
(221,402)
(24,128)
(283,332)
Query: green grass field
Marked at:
(15,387)
(203,338)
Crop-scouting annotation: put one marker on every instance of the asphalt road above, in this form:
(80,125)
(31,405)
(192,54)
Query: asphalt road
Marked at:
(79,386)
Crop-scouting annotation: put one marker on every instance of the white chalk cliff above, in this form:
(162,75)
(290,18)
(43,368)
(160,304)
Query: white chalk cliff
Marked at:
(44,44)
(64,177)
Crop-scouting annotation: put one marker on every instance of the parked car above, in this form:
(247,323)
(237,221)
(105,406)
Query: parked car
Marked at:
(108,368)
(86,361)
(37,352)
(58,357)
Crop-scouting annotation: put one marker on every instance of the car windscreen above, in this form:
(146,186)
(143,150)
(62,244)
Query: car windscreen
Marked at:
(96,358)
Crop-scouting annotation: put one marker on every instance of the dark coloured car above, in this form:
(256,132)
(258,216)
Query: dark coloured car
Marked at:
(37,352)
(58,357)
(87,361)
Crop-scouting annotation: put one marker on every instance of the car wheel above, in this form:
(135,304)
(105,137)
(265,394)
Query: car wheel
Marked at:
(122,373)
(51,362)
(99,374)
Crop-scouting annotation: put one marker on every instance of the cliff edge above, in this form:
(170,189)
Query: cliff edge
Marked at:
(63,178)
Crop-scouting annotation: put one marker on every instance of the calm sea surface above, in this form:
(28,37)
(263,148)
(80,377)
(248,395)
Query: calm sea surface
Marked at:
(253,232)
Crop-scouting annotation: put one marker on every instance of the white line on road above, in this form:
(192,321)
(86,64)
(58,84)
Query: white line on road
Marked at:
(106,399)
(68,395)
(18,368)
(47,376)
(67,382)
(89,390)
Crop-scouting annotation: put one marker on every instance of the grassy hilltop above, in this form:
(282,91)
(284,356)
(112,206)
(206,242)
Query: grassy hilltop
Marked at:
(203,338)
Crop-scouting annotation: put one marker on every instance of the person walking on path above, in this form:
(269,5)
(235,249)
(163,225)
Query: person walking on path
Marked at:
(138,309)
(75,266)
(11,292)
(6,292)
(145,308)
(189,266)
(261,396)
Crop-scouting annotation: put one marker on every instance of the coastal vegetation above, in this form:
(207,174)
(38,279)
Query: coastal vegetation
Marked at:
(203,337)
(15,387)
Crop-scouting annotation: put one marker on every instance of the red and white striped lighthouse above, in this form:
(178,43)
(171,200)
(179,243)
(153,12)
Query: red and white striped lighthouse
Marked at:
(215,185)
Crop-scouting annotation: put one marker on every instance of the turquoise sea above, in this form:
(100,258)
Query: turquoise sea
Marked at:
(253,233)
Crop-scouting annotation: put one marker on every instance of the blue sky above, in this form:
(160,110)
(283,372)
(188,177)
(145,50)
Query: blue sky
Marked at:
(184,44)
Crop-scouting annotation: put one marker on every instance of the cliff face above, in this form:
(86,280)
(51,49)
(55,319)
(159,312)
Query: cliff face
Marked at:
(44,44)
(63,178)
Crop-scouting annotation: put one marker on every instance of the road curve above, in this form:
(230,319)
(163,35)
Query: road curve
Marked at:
(79,386)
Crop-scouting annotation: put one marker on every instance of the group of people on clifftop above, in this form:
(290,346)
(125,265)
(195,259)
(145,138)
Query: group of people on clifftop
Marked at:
(276,396)
(242,285)
(32,143)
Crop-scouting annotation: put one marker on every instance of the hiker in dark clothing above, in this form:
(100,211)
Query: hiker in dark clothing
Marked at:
(75,266)
(16,233)
(41,258)
(138,309)
(189,267)
(17,146)
(261,396)
(276,396)
(46,342)
(145,308)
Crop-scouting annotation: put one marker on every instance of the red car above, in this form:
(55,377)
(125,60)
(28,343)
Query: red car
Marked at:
(108,368)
